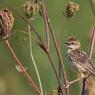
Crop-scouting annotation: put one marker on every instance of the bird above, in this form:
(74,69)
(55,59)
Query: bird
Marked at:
(79,60)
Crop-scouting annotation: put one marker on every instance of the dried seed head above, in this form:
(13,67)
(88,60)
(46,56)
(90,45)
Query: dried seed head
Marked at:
(71,9)
(72,6)
(31,9)
(6,22)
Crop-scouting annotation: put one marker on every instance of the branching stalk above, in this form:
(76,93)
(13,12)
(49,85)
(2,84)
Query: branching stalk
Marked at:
(45,22)
(90,55)
(59,54)
(27,76)
(56,73)
(92,43)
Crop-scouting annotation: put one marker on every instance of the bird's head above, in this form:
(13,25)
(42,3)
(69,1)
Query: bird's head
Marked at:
(73,43)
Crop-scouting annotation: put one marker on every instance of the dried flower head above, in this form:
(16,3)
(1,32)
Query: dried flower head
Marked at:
(31,8)
(71,9)
(6,22)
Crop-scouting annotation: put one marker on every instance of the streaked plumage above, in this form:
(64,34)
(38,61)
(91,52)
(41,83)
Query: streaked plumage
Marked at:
(79,59)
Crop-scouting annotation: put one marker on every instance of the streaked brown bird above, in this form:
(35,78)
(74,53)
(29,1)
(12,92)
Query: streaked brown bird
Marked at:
(78,58)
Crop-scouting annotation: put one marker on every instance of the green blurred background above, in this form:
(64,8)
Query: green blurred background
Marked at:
(13,82)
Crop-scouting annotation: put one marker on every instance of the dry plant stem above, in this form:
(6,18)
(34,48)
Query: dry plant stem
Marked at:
(46,26)
(56,73)
(92,6)
(60,57)
(34,63)
(45,22)
(90,55)
(84,87)
(20,31)
(31,82)
(92,43)
(59,54)
(74,81)
(60,68)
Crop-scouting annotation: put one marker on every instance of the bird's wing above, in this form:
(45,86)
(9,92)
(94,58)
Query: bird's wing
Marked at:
(83,60)
(1,25)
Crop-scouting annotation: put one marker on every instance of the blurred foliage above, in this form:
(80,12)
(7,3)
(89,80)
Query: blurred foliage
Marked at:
(12,82)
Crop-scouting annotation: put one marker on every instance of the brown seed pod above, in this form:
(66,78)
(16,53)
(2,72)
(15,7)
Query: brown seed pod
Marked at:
(71,9)
(6,23)
(30,9)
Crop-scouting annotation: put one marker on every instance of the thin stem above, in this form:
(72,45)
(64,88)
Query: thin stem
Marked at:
(20,31)
(90,56)
(92,6)
(76,80)
(59,54)
(45,22)
(33,60)
(31,82)
(60,68)
(84,87)
(43,46)
(56,73)
(46,19)
(92,43)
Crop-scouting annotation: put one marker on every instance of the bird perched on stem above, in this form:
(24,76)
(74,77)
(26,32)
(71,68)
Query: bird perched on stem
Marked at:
(79,59)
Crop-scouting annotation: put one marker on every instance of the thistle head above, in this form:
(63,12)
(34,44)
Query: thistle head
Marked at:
(71,9)
(6,22)
(73,43)
(31,8)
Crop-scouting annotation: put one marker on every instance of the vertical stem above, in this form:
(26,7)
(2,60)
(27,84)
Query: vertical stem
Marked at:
(57,75)
(60,69)
(33,60)
(92,43)
(59,55)
(55,43)
(92,6)
(31,82)
(84,86)
(45,22)
(90,55)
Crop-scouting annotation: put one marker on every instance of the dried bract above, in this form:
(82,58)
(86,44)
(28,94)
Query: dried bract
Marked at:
(30,9)
(71,9)
(6,22)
